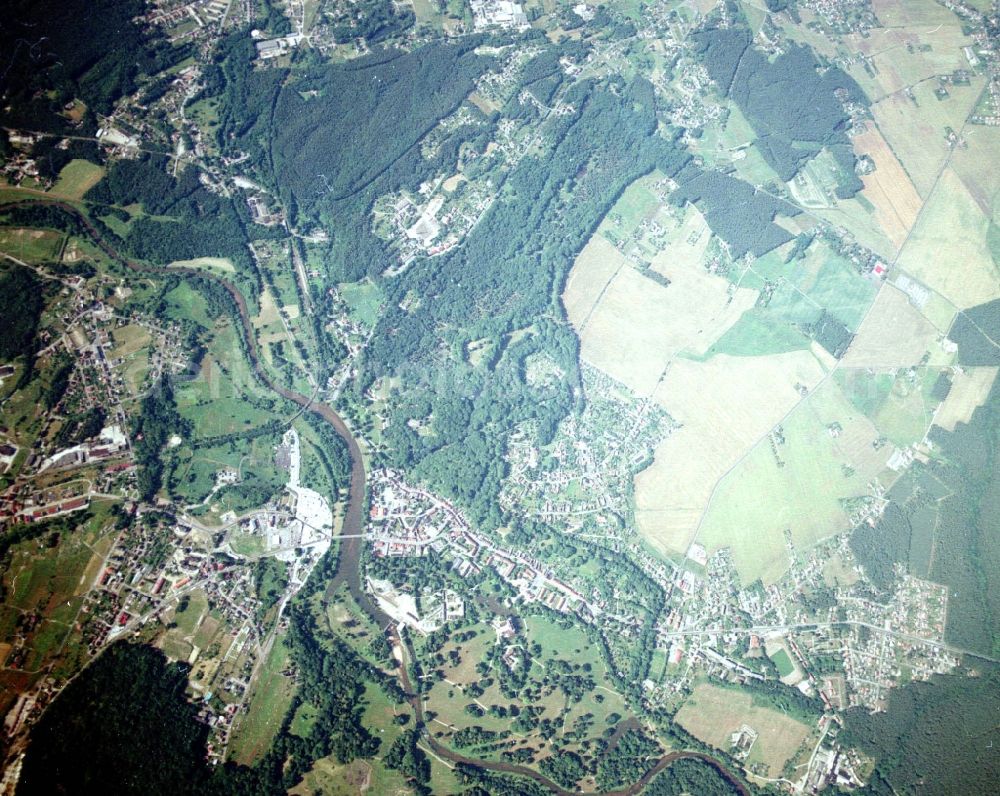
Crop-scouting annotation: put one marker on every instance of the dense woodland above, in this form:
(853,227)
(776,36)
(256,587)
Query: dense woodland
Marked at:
(952,504)
(92,50)
(976,331)
(938,736)
(127,709)
(795,108)
(736,211)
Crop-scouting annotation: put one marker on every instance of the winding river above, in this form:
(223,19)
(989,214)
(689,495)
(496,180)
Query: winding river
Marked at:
(349,566)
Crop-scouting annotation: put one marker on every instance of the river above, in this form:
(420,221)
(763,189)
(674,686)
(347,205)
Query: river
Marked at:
(349,565)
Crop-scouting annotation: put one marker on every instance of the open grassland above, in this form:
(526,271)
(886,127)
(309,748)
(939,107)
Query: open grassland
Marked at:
(725,406)
(218,265)
(268,705)
(712,714)
(894,334)
(794,481)
(902,13)
(896,201)
(900,403)
(949,249)
(31,245)
(364,300)
(77,177)
(969,389)
(916,129)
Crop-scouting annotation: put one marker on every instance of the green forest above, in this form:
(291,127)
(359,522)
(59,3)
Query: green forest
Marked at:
(938,736)
(795,109)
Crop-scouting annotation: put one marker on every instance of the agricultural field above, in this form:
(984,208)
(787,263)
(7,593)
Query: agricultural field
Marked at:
(32,245)
(949,249)
(77,177)
(712,714)
(268,705)
(725,406)
(795,480)
(894,334)
(218,265)
(915,128)
(897,203)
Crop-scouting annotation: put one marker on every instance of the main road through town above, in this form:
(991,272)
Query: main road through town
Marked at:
(349,565)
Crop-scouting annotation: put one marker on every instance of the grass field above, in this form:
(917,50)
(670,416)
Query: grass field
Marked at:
(894,334)
(77,177)
(712,714)
(795,485)
(725,406)
(219,265)
(949,250)
(268,705)
(31,245)
(364,299)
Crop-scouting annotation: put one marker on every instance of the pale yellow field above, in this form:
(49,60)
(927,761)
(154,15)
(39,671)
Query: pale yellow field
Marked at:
(638,325)
(683,256)
(969,389)
(725,406)
(712,714)
(594,267)
(796,485)
(894,334)
(896,201)
(948,249)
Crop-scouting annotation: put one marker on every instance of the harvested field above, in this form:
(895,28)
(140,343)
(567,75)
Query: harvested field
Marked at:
(969,389)
(76,178)
(915,129)
(894,334)
(688,316)
(949,251)
(725,406)
(712,714)
(896,201)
